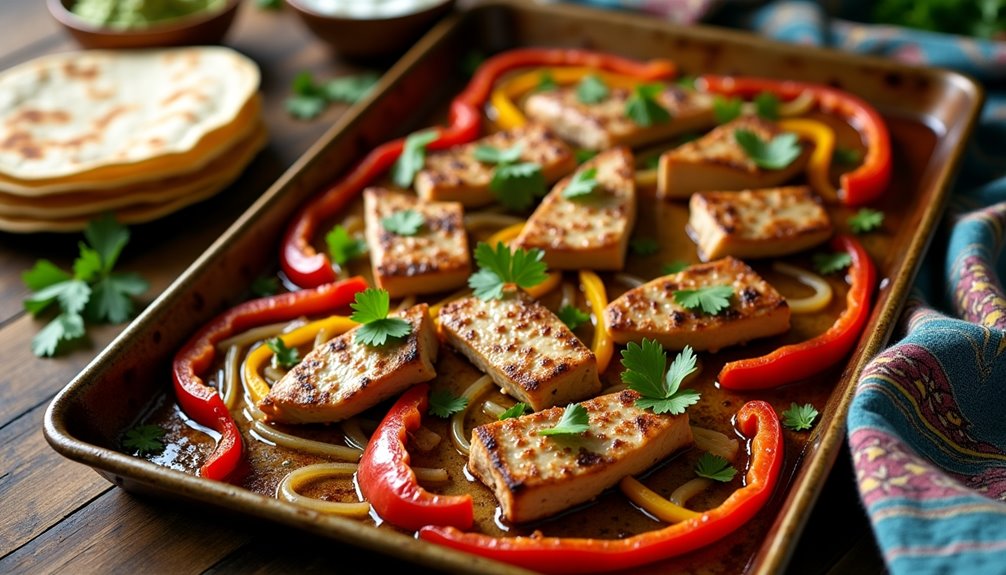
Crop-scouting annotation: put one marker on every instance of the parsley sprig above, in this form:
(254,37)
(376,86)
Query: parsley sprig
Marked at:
(574,421)
(774,154)
(866,220)
(581,185)
(674,267)
(715,467)
(371,308)
(799,417)
(592,90)
(515,184)
(711,299)
(499,267)
(847,157)
(829,263)
(144,440)
(767,105)
(516,410)
(727,109)
(642,106)
(645,373)
(311,98)
(342,247)
(573,317)
(546,82)
(404,222)
(283,356)
(93,292)
(412,158)
(444,404)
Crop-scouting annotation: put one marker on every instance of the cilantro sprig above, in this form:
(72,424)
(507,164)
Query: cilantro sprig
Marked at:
(144,439)
(404,222)
(342,247)
(847,157)
(581,185)
(829,263)
(516,410)
(799,417)
(727,109)
(711,299)
(774,154)
(644,246)
(715,467)
(592,90)
(674,267)
(767,105)
(645,373)
(499,267)
(574,421)
(311,98)
(92,293)
(514,184)
(642,106)
(444,404)
(866,220)
(282,356)
(573,317)
(371,308)
(546,82)
(412,158)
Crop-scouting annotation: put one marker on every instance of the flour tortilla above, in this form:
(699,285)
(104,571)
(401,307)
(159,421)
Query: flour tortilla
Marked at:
(66,114)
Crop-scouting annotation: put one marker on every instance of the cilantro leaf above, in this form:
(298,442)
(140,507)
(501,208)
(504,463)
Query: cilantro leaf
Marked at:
(412,158)
(776,154)
(111,297)
(574,420)
(847,156)
(573,317)
(87,266)
(866,220)
(583,155)
(304,85)
(799,417)
(711,300)
(492,155)
(546,82)
(651,163)
(715,467)
(371,308)
(726,109)
(591,90)
(674,267)
(518,409)
(350,89)
(283,356)
(265,286)
(305,107)
(644,246)
(499,266)
(767,105)
(404,223)
(72,296)
(42,275)
(516,185)
(144,440)
(829,263)
(644,373)
(444,404)
(64,327)
(686,83)
(342,247)
(582,184)
(642,106)
(107,237)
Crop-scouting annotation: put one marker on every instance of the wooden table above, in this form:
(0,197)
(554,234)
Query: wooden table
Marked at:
(58,515)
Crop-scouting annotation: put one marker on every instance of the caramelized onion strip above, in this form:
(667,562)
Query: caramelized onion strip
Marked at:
(297,478)
(306,445)
(822,289)
(481,386)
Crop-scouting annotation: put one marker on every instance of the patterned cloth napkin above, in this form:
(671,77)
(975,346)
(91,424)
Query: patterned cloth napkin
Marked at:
(927,426)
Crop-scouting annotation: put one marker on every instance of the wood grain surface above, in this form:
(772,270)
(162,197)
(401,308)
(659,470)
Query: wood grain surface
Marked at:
(60,516)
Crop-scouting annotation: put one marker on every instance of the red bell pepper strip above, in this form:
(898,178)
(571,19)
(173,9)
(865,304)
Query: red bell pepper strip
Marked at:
(308,268)
(801,360)
(860,186)
(389,484)
(756,419)
(202,402)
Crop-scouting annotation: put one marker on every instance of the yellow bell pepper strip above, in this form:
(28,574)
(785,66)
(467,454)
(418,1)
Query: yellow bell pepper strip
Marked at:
(250,371)
(603,346)
(819,166)
(506,235)
(661,508)
(756,419)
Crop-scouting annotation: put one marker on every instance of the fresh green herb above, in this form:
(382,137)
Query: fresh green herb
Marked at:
(518,409)
(514,185)
(644,246)
(847,156)
(711,300)
(283,357)
(776,154)
(145,439)
(644,373)
(342,247)
(492,155)
(642,106)
(305,107)
(583,155)
(767,105)
(582,184)
(412,158)
(499,267)
(726,109)
(351,89)
(404,223)
(866,220)
(591,90)
(674,267)
(444,404)
(651,163)
(572,316)
(265,286)
(93,292)
(686,83)
(546,82)
(310,98)
(269,4)
(574,421)
(799,417)
(715,467)
(829,263)
(371,308)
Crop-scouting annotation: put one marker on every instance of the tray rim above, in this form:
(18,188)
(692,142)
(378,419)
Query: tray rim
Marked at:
(775,550)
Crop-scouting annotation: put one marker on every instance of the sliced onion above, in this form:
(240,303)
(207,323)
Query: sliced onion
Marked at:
(822,289)
(476,389)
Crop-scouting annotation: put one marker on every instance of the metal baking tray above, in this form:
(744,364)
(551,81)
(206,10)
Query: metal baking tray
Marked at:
(931,113)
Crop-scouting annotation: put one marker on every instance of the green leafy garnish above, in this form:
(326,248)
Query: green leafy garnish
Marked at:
(847,156)
(715,467)
(310,98)
(767,105)
(829,263)
(351,89)
(651,163)
(371,308)
(444,404)
(642,106)
(582,184)
(269,4)
(583,155)
(492,155)
(499,267)
(726,109)
(342,247)
(264,286)
(145,439)
(591,90)
(866,220)
(546,82)
(92,292)
(283,356)
(574,420)
(412,158)
(711,300)
(305,107)
(514,185)
(776,154)
(644,373)
(644,246)
(799,417)
(674,267)
(572,316)
(686,83)
(518,409)
(404,223)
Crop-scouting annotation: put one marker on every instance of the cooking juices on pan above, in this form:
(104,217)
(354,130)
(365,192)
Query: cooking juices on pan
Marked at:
(560,331)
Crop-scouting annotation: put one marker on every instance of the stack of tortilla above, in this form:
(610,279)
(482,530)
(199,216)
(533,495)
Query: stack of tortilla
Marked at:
(140,134)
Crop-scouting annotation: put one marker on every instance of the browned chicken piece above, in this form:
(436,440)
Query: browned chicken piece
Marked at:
(650,311)
(523,346)
(757,223)
(342,378)
(590,231)
(534,476)
(455,175)
(434,260)
(717,162)
(605,124)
